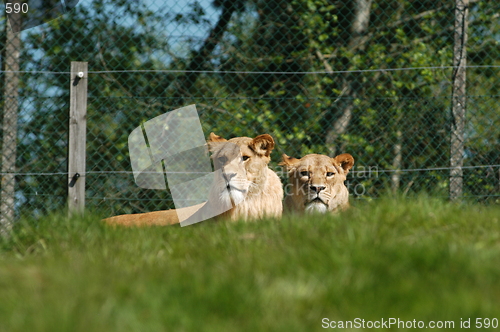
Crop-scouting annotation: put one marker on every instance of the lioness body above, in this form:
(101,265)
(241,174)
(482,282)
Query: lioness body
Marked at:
(243,188)
(316,183)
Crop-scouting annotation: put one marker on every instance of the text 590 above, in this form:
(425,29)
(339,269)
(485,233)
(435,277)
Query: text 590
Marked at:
(16,8)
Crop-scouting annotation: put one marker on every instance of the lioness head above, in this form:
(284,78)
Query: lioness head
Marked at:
(241,167)
(316,182)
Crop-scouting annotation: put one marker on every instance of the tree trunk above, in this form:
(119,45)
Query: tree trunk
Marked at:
(351,85)
(459,100)
(397,162)
(9,144)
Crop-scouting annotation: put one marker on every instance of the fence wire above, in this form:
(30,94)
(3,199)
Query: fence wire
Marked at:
(371,78)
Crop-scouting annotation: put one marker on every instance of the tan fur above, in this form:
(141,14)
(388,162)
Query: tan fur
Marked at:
(255,190)
(156,218)
(316,183)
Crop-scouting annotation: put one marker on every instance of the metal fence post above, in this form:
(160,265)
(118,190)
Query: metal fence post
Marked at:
(458,99)
(77,135)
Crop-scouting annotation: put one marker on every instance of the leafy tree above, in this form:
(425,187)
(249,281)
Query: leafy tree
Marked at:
(352,101)
(116,101)
(392,119)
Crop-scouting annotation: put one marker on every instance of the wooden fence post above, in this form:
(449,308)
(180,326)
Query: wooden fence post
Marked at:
(77,136)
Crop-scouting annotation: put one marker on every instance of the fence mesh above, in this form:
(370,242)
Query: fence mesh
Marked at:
(370,78)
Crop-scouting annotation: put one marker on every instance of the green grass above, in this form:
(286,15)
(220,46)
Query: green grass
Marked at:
(420,259)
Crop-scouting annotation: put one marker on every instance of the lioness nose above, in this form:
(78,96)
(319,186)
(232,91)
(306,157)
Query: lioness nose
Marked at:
(228,176)
(317,188)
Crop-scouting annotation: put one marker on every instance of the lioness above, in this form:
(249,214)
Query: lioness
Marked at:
(316,183)
(245,188)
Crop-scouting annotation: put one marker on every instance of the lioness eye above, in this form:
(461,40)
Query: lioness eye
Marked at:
(222,160)
(245,158)
(304,173)
(329,174)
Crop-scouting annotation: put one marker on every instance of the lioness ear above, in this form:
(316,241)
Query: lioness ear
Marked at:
(262,144)
(345,160)
(216,138)
(288,161)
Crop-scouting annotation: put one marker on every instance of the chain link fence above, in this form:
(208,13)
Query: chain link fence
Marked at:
(375,79)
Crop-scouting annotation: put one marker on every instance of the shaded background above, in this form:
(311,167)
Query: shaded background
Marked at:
(370,78)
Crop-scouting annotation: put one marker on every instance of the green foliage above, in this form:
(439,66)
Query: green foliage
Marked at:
(409,108)
(93,34)
(259,86)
